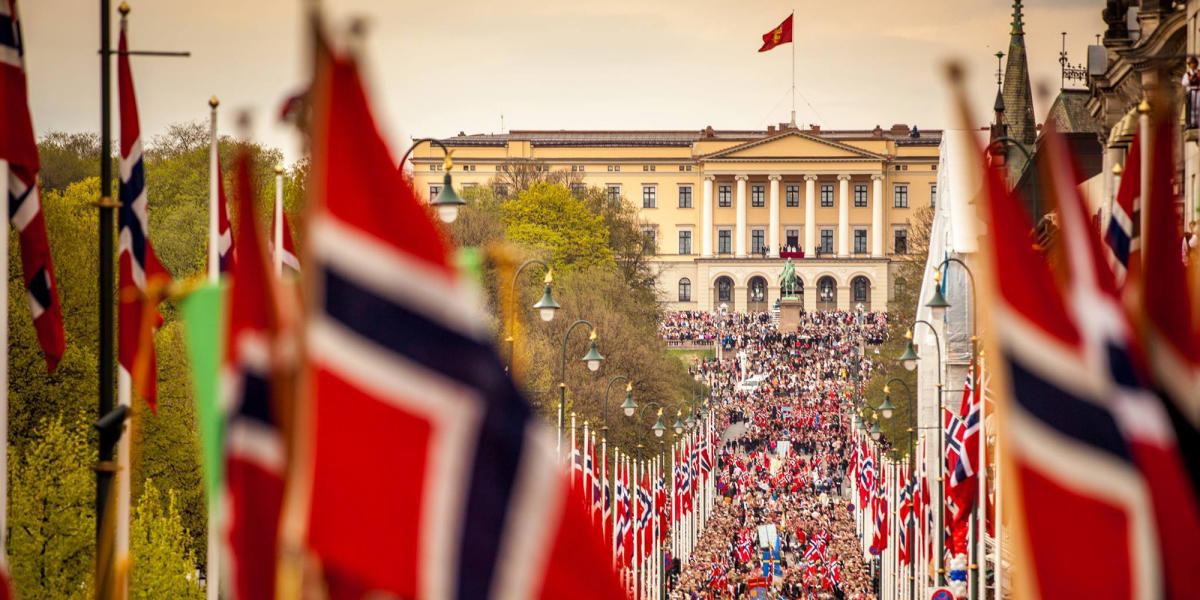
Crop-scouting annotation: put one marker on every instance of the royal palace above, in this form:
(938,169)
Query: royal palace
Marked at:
(726,208)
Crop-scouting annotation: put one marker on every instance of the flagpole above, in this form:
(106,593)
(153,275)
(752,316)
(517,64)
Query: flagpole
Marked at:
(613,522)
(1144,199)
(572,453)
(4,378)
(793,43)
(214,253)
(213,570)
(277,222)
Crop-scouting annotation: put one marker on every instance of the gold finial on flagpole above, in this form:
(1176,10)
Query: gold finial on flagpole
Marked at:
(124,9)
(213,102)
(279,169)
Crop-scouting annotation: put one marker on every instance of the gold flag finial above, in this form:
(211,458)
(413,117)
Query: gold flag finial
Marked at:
(124,9)
(213,101)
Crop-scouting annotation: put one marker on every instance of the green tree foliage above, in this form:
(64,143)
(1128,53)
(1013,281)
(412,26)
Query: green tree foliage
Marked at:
(631,248)
(548,218)
(67,158)
(164,565)
(51,523)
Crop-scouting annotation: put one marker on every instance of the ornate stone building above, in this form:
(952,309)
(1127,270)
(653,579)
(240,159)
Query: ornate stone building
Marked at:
(726,208)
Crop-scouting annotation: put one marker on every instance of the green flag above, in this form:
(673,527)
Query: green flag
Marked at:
(204,333)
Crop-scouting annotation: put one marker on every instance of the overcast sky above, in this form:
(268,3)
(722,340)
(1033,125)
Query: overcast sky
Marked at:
(437,68)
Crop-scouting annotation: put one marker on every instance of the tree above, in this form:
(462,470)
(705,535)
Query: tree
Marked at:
(631,248)
(516,175)
(163,564)
(52,532)
(911,268)
(548,218)
(480,221)
(67,158)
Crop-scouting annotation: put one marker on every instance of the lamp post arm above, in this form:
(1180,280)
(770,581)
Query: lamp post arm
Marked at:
(944,268)
(562,381)
(937,340)
(608,389)
(416,143)
(512,311)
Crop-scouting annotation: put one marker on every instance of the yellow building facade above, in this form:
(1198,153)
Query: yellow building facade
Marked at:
(727,208)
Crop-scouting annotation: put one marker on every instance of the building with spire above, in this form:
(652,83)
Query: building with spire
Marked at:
(1017,96)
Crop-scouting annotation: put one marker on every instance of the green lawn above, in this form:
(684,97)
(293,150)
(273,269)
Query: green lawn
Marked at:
(690,356)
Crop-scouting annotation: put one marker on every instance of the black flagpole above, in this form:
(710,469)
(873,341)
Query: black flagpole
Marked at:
(111,421)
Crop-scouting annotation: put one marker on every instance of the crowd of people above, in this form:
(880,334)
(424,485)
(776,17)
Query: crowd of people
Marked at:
(783,459)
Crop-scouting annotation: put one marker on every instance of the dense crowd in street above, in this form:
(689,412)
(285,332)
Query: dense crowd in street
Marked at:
(784,459)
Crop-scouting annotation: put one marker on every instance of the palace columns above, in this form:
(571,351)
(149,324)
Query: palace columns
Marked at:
(706,218)
(877,216)
(739,230)
(843,226)
(810,217)
(773,222)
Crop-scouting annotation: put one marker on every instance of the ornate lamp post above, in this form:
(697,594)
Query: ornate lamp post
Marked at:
(592,358)
(447,202)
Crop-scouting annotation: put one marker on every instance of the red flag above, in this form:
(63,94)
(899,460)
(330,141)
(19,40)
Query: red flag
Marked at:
(426,474)
(289,257)
(225,246)
(254,447)
(139,269)
(17,146)
(780,35)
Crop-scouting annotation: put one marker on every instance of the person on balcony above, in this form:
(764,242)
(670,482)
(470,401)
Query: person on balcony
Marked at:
(1191,87)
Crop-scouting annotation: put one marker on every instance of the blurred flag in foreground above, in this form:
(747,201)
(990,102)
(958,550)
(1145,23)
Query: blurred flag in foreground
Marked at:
(421,471)
(1096,470)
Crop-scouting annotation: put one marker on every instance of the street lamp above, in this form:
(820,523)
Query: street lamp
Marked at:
(628,400)
(546,307)
(658,428)
(910,357)
(886,409)
(447,202)
(875,431)
(592,358)
(678,426)
(937,305)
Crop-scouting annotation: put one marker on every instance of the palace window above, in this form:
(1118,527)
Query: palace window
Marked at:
(578,189)
(649,196)
(724,290)
(647,167)
(933,195)
(826,241)
(900,196)
(434,190)
(685,242)
(651,239)
(827,195)
(724,241)
(723,196)
(614,193)
(860,195)
(685,196)
(860,241)
(792,194)
(900,241)
(757,241)
(685,290)
(756,196)
(500,189)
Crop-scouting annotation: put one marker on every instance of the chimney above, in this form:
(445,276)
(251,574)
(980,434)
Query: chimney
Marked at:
(770,130)
(899,129)
(815,128)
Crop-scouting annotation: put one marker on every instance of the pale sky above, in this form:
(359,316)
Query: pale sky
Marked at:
(437,68)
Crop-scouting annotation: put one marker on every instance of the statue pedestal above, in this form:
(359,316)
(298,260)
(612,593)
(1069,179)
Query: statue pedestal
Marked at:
(790,308)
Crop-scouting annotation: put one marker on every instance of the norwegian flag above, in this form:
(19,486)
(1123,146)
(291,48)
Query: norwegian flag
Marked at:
(595,494)
(661,508)
(137,263)
(705,462)
(717,576)
(866,480)
(1086,438)
(225,243)
(955,434)
(676,486)
(963,484)
(1123,239)
(905,515)
(744,547)
(19,148)
(606,517)
(645,512)
(425,472)
(255,462)
(576,465)
(288,258)
(686,482)
(879,506)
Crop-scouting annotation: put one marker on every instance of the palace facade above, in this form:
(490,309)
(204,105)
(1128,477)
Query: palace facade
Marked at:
(725,209)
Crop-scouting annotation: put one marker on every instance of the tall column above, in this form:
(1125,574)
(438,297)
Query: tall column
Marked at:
(739,231)
(773,223)
(810,216)
(877,238)
(843,229)
(706,214)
